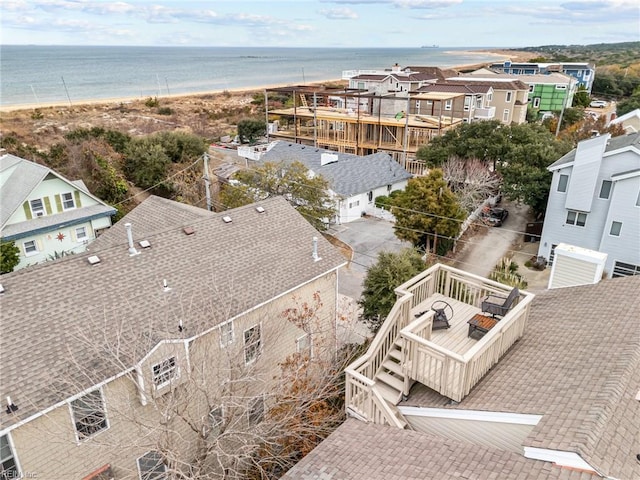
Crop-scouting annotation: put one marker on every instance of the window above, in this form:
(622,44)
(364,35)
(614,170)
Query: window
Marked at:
(563,181)
(81,234)
(354,204)
(30,248)
(576,218)
(447,104)
(605,189)
(467,103)
(8,466)
(67,201)
(252,344)
(37,207)
(615,229)
(164,372)
(561,87)
(89,414)
(531,88)
(256,410)
(389,188)
(505,115)
(508,97)
(151,467)
(478,102)
(536,102)
(621,269)
(303,344)
(216,419)
(226,334)
(370,197)
(490,96)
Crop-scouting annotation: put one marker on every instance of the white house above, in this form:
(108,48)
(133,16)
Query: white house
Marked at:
(629,121)
(45,214)
(594,202)
(355,181)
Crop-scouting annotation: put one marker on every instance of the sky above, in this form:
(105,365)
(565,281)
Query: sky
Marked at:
(319,23)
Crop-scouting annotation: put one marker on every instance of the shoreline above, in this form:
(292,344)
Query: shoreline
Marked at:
(515,55)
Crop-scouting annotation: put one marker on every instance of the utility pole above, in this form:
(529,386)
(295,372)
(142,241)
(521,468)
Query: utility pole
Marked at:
(207,183)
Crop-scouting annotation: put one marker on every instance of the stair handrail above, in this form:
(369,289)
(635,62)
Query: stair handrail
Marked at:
(385,409)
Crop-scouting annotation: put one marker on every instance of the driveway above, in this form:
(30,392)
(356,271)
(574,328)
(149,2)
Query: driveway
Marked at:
(366,236)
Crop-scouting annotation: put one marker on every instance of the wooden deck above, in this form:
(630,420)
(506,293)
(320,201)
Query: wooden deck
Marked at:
(455,338)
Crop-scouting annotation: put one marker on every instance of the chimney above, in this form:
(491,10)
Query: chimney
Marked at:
(395,68)
(132,249)
(314,255)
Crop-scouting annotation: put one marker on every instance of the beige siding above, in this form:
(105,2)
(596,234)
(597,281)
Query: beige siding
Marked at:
(568,272)
(213,375)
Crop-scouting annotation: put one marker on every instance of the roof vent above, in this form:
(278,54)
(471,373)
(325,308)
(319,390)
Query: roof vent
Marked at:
(144,244)
(327,158)
(132,249)
(11,407)
(1,289)
(314,254)
(93,260)
(259,209)
(165,286)
(226,219)
(188,230)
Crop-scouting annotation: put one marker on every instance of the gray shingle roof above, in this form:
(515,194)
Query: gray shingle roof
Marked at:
(615,143)
(365,451)
(578,365)
(52,312)
(350,175)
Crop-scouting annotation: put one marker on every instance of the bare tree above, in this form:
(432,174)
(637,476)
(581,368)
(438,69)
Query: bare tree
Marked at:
(471,180)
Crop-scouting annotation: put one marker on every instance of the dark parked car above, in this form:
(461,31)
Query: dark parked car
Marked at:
(494,216)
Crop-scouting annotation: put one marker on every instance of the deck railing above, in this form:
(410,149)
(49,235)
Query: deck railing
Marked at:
(447,372)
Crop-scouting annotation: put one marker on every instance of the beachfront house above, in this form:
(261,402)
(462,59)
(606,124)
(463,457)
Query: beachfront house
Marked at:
(355,181)
(583,72)
(159,350)
(46,215)
(469,106)
(549,389)
(594,202)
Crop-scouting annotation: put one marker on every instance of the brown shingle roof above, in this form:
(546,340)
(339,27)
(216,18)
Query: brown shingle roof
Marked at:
(52,312)
(578,365)
(358,450)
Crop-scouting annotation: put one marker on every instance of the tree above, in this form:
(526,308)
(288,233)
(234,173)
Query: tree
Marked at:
(9,256)
(250,129)
(391,270)
(581,97)
(180,146)
(471,181)
(427,213)
(309,195)
(629,104)
(146,164)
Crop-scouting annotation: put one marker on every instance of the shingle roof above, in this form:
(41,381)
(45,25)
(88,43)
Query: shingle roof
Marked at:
(350,175)
(51,313)
(578,365)
(615,143)
(358,450)
(457,87)
(510,85)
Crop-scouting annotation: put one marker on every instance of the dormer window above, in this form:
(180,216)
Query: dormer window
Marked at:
(37,207)
(67,201)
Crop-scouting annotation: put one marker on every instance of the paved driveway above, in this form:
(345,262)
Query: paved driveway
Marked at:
(366,236)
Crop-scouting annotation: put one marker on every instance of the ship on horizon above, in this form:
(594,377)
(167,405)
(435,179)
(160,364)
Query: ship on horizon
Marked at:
(430,46)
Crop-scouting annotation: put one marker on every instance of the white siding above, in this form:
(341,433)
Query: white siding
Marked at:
(569,272)
(585,173)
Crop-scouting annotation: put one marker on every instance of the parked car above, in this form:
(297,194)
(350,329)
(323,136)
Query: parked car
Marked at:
(495,216)
(598,104)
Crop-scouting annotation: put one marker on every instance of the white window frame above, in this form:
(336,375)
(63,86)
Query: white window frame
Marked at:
(148,475)
(252,409)
(561,87)
(255,345)
(619,230)
(304,344)
(467,103)
(64,201)
(566,184)
(33,252)
(167,368)
(605,182)
(576,218)
(80,437)
(448,104)
(536,102)
(84,237)
(489,96)
(507,97)
(37,212)
(216,420)
(12,456)
(505,115)
(226,336)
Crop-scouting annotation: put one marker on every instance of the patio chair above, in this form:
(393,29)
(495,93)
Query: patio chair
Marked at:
(497,305)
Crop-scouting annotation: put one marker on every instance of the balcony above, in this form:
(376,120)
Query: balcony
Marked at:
(484,113)
(407,349)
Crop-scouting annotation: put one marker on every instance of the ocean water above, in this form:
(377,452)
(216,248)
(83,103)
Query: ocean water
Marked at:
(40,75)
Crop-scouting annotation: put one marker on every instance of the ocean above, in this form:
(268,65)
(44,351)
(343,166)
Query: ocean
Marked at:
(41,75)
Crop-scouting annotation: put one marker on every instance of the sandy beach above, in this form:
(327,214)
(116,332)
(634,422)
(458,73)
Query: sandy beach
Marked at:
(498,54)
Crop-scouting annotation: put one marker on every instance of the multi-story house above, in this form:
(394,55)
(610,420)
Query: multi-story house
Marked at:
(354,181)
(474,105)
(159,350)
(583,72)
(594,202)
(46,215)
(549,390)
(397,80)
(506,102)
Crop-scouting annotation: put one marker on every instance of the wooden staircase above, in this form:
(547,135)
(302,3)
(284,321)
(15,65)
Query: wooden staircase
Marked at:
(303,99)
(390,379)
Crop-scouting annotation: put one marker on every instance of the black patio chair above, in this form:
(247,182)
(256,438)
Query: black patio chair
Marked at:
(497,305)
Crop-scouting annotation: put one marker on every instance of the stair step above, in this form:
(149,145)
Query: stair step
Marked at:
(393,367)
(396,382)
(388,393)
(395,353)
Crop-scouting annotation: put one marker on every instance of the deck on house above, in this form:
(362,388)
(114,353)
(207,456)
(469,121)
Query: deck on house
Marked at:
(455,338)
